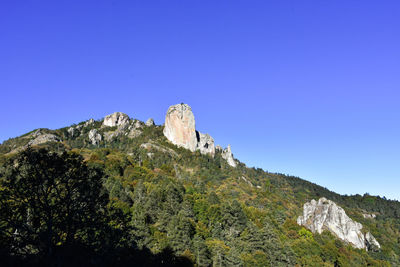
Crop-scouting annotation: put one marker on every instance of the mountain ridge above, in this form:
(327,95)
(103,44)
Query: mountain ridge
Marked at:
(130,143)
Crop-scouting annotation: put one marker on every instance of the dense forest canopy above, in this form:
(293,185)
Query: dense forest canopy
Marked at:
(118,202)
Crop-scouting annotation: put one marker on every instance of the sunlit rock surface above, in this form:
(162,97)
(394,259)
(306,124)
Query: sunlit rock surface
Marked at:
(228,156)
(326,215)
(180,127)
(116,119)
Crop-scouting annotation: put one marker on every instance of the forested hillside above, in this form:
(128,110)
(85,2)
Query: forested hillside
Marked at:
(68,200)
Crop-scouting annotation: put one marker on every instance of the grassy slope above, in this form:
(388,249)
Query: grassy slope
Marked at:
(272,199)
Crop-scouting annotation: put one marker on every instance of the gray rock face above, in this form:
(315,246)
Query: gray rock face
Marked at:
(134,132)
(326,215)
(94,137)
(369,216)
(72,131)
(44,138)
(205,144)
(138,124)
(150,122)
(151,146)
(228,156)
(116,119)
(180,128)
(371,242)
(89,122)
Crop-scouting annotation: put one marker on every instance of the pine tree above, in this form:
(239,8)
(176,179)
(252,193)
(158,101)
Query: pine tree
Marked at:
(201,252)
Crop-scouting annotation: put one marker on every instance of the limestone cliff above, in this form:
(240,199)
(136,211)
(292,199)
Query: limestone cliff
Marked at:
(180,129)
(116,119)
(150,122)
(205,143)
(326,215)
(179,126)
(228,156)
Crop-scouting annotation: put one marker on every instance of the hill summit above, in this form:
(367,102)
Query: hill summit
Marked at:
(170,193)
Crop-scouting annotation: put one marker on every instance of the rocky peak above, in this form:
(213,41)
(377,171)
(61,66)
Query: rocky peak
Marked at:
(179,126)
(326,215)
(228,156)
(116,119)
(205,143)
(150,122)
(94,137)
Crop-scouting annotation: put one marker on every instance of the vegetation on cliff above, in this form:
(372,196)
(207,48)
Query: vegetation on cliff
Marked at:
(122,201)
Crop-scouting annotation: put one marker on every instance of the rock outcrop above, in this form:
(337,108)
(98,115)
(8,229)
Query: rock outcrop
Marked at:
(150,122)
(75,131)
(94,137)
(228,156)
(180,128)
(369,216)
(326,215)
(150,146)
(116,119)
(371,242)
(41,138)
(205,143)
(72,132)
(89,122)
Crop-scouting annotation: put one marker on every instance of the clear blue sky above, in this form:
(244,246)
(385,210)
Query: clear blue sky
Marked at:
(308,88)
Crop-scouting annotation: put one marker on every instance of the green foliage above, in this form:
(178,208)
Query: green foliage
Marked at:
(173,205)
(49,199)
(304,233)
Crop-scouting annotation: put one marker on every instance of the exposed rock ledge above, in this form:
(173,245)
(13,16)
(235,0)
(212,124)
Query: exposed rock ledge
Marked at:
(116,119)
(179,126)
(180,129)
(326,215)
(228,156)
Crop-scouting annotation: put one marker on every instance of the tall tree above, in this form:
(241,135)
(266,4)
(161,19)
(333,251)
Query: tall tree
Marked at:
(49,199)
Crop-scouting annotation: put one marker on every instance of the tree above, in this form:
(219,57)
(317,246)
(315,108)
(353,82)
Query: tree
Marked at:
(201,252)
(233,220)
(48,200)
(180,232)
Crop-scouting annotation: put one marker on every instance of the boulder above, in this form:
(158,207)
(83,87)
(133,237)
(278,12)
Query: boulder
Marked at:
(179,126)
(134,132)
(116,119)
(205,143)
(150,122)
(94,137)
(138,124)
(326,215)
(42,138)
(72,132)
(89,122)
(228,156)
(371,242)
(369,216)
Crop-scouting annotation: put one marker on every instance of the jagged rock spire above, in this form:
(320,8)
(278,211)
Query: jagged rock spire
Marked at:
(180,129)
(228,156)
